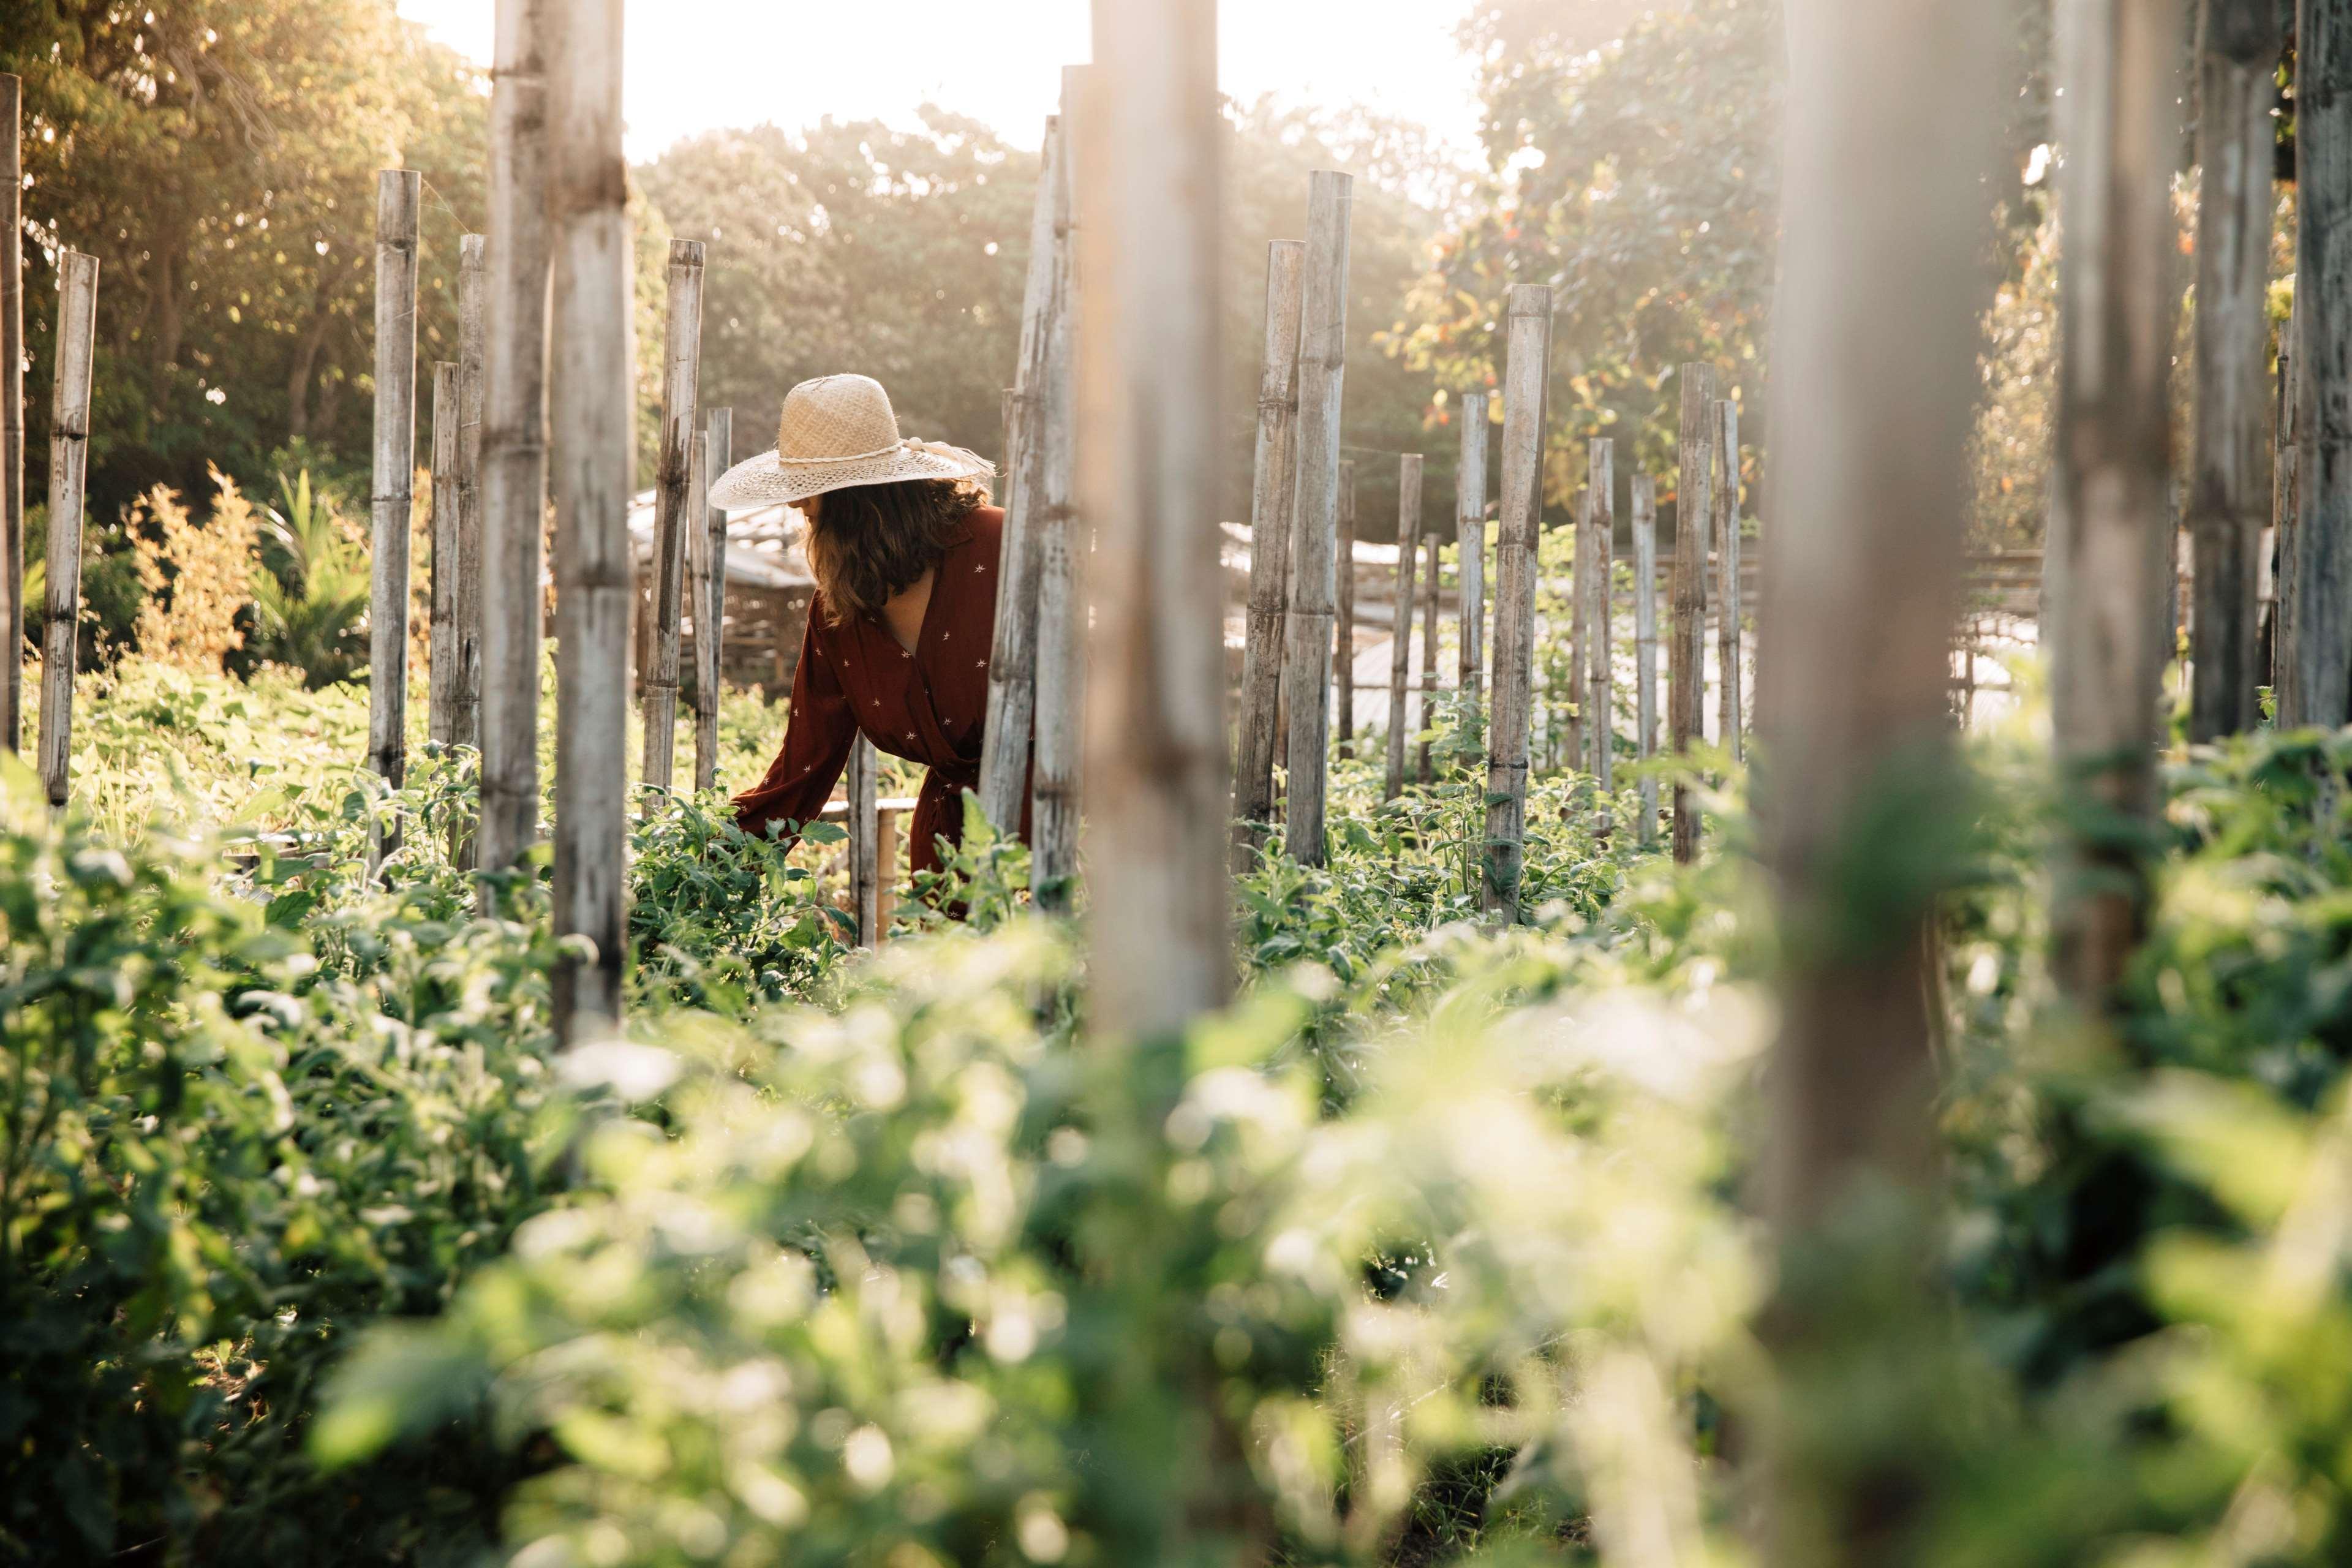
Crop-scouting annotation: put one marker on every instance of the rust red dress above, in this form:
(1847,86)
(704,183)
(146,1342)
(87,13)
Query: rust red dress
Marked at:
(926,706)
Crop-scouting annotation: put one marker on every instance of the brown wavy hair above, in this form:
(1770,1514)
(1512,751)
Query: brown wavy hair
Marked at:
(870,543)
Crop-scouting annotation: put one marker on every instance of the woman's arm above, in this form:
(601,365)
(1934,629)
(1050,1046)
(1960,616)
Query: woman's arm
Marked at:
(817,737)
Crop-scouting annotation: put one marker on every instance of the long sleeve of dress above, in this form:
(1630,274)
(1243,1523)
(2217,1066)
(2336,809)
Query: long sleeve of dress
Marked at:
(817,739)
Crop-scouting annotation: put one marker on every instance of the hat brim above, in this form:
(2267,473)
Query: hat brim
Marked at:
(765,481)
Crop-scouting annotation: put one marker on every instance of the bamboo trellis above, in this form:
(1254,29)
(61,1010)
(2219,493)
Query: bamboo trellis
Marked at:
(1527,356)
(1274,496)
(76,344)
(11,410)
(398,198)
(676,512)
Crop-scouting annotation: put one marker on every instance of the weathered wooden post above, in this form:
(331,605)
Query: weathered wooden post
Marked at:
(1892,109)
(398,198)
(77,345)
(472,338)
(1645,642)
(707,585)
(1056,792)
(1343,630)
(514,440)
(2287,503)
(1408,530)
(2110,488)
(1730,713)
(1567,727)
(861,787)
(441,646)
(2228,503)
(1686,652)
(675,514)
(1156,772)
(1526,362)
(1316,565)
(1005,739)
(1470,543)
(1431,589)
(1598,650)
(1274,498)
(2323,293)
(11,410)
(591,422)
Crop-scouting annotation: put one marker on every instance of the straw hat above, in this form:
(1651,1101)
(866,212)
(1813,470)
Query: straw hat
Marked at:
(837,431)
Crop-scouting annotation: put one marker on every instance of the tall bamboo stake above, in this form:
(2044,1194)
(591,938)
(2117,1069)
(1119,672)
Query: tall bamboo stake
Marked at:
(1687,651)
(473,327)
(1645,642)
(1599,644)
(2111,486)
(1062,554)
(1528,352)
(1431,588)
(1316,564)
(441,648)
(1470,543)
(1729,714)
(77,343)
(398,198)
(591,423)
(1892,108)
(676,513)
(717,452)
(1343,628)
(1273,501)
(1005,738)
(1401,645)
(2228,501)
(514,439)
(12,411)
(1156,763)
(1568,726)
(862,789)
(2286,502)
(2323,613)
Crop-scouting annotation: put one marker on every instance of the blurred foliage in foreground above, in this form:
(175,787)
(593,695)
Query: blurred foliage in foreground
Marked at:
(1430,1249)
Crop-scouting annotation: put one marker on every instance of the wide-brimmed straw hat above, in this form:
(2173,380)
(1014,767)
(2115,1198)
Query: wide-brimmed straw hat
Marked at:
(837,431)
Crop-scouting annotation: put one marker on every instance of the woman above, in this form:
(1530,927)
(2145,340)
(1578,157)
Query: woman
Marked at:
(903,544)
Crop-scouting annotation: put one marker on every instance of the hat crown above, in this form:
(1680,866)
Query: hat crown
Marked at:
(837,417)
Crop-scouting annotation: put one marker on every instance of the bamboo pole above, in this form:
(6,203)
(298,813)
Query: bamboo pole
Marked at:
(1401,645)
(1006,738)
(1568,725)
(717,452)
(1316,564)
(1430,593)
(1528,352)
(862,788)
(11,410)
(1273,501)
(2110,490)
(2229,499)
(1157,775)
(1061,572)
(591,424)
(1599,644)
(1892,111)
(514,440)
(1729,714)
(77,343)
(398,201)
(2286,502)
(1470,543)
(1645,643)
(1686,650)
(675,512)
(472,338)
(2323,613)
(441,656)
(1343,628)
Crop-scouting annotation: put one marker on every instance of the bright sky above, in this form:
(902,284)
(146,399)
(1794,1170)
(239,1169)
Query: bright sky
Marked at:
(699,64)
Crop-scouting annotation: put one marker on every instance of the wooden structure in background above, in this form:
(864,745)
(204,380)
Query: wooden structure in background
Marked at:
(1528,359)
(1273,498)
(677,514)
(76,350)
